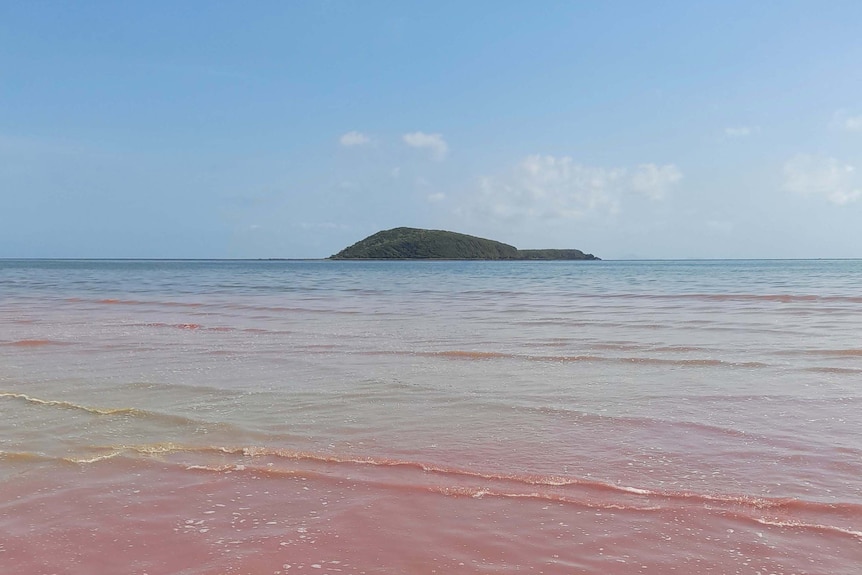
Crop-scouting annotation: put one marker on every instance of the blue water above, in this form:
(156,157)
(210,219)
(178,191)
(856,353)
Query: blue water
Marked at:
(240,276)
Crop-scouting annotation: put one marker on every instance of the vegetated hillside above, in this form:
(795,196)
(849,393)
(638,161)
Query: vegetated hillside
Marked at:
(555,255)
(415,243)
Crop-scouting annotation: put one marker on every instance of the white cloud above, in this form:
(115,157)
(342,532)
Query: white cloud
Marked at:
(819,176)
(853,124)
(655,181)
(437,197)
(435,143)
(741,131)
(842,121)
(354,138)
(550,187)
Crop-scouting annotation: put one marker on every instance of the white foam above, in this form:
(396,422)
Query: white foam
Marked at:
(792,523)
(635,490)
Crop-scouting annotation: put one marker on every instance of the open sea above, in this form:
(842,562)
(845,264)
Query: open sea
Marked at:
(409,417)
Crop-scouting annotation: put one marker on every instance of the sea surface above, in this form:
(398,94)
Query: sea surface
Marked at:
(346,417)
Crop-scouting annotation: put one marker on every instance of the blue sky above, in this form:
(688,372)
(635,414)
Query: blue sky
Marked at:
(288,129)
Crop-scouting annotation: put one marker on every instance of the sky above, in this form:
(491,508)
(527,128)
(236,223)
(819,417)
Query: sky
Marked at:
(294,129)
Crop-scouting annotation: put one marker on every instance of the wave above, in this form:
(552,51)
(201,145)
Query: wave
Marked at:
(70,405)
(35,343)
(216,306)
(112,301)
(158,387)
(741,508)
(117,411)
(30,457)
(248,456)
(810,526)
(823,352)
(492,355)
(640,422)
(628,346)
(415,477)
(110,454)
(185,326)
(834,370)
(721,297)
(24,457)
(458,354)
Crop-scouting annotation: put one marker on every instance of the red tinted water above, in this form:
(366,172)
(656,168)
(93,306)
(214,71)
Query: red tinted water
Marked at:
(537,429)
(160,517)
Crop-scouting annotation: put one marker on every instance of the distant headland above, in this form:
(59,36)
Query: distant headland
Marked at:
(419,244)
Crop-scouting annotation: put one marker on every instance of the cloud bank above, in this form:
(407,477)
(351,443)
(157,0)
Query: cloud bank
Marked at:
(824,177)
(550,187)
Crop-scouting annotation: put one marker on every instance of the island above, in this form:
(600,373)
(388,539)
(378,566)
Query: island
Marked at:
(419,244)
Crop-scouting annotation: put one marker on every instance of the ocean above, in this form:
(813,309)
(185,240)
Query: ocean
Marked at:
(422,417)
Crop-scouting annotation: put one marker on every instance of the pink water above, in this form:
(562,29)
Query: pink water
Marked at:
(324,417)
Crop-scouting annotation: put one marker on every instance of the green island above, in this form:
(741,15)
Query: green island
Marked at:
(415,243)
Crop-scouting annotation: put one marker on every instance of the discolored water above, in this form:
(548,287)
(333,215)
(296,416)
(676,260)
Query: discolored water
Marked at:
(205,418)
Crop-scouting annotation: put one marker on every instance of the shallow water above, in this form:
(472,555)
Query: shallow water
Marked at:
(430,417)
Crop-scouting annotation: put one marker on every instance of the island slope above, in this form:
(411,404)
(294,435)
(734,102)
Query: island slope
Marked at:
(415,243)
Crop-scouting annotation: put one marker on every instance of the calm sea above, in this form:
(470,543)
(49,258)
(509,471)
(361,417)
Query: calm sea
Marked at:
(210,418)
